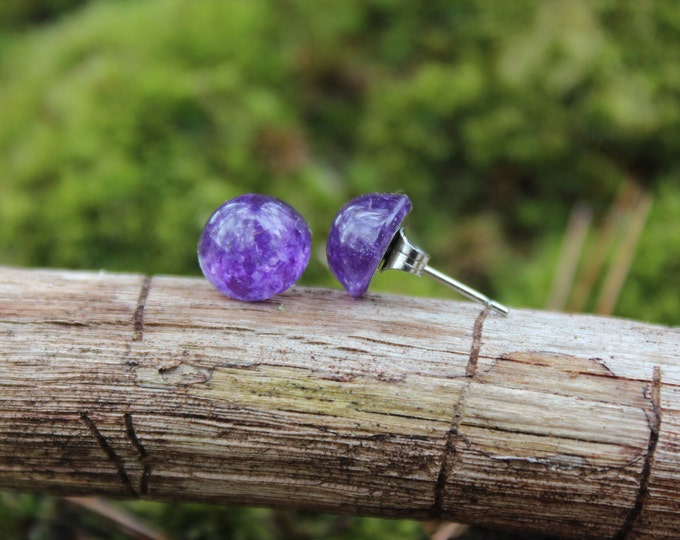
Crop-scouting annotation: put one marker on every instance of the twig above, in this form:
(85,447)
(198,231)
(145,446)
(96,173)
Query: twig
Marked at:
(600,250)
(125,521)
(620,266)
(572,247)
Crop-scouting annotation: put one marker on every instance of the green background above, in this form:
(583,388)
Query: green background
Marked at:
(124,124)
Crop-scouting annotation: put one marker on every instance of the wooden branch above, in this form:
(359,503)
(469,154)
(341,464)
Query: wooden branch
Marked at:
(161,388)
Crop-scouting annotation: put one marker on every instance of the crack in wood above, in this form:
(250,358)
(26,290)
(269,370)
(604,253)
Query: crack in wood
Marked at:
(138,317)
(110,453)
(453,435)
(643,489)
(143,454)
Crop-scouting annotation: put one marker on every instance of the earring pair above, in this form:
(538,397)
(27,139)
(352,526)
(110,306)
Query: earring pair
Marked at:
(255,246)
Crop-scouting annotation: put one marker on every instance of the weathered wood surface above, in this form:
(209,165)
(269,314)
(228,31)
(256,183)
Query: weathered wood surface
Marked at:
(161,388)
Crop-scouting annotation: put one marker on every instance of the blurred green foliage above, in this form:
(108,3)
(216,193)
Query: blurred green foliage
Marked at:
(24,13)
(48,518)
(127,123)
(123,124)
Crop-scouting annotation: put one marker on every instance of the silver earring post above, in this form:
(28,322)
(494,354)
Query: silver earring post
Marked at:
(403,255)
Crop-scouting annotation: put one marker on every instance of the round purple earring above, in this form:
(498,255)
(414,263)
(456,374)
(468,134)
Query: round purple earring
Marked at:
(254,247)
(366,235)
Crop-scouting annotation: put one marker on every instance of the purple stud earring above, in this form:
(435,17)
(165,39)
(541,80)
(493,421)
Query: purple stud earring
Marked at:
(366,235)
(254,247)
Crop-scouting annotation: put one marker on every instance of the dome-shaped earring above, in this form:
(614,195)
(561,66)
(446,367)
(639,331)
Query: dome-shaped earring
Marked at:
(254,247)
(366,235)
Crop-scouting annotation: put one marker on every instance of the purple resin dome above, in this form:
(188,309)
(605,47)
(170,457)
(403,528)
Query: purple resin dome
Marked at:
(254,247)
(360,235)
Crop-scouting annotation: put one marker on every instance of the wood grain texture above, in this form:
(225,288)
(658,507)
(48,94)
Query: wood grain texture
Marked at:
(162,388)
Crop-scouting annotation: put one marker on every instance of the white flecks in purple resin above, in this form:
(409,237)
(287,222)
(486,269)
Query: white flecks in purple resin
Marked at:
(360,235)
(254,247)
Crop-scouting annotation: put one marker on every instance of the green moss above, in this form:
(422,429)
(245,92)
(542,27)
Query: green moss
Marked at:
(127,123)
